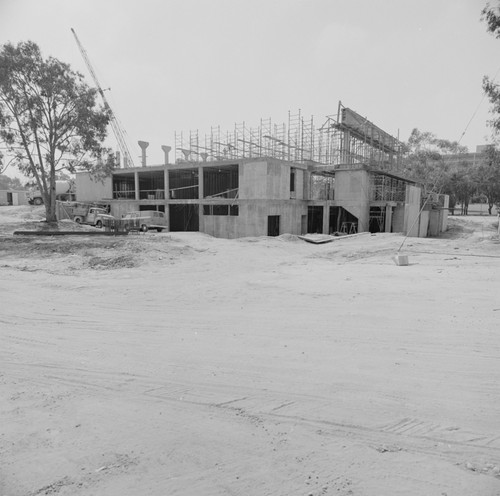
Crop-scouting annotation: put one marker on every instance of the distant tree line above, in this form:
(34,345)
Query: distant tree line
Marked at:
(7,182)
(445,167)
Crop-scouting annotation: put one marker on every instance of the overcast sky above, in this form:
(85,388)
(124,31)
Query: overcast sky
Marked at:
(181,65)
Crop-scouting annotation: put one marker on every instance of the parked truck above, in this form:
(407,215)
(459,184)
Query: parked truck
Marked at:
(85,213)
(144,220)
(65,191)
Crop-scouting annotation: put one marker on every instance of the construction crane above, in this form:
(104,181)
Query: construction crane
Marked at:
(127,158)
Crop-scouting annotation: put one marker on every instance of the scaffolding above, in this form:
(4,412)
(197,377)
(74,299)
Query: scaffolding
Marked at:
(346,140)
(385,188)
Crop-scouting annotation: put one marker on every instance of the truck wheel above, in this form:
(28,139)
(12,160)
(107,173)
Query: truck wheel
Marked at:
(98,224)
(159,229)
(144,228)
(38,201)
(78,220)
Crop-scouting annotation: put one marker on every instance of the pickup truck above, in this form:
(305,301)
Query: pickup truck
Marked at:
(95,216)
(144,220)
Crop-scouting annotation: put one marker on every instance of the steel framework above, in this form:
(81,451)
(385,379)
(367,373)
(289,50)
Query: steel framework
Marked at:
(343,141)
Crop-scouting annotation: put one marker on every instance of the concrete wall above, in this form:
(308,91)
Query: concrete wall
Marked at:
(269,180)
(252,179)
(299,184)
(444,225)
(352,191)
(221,226)
(423,224)
(253,217)
(398,219)
(412,209)
(91,190)
(436,222)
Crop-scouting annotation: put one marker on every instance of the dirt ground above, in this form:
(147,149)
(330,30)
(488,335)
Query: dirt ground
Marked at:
(180,364)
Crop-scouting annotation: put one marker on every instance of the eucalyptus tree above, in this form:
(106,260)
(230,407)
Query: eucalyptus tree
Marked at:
(50,120)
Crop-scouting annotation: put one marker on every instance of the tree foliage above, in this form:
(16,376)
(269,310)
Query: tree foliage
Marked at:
(49,119)
(7,182)
(491,16)
(437,163)
(444,166)
(487,176)
(426,159)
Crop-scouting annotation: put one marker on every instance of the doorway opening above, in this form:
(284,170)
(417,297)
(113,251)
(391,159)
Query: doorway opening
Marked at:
(273,225)
(315,219)
(184,217)
(377,219)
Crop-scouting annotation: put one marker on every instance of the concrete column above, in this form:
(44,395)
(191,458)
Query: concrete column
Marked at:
(326,218)
(200,183)
(305,185)
(166,150)
(364,218)
(136,181)
(201,219)
(166,185)
(388,218)
(143,145)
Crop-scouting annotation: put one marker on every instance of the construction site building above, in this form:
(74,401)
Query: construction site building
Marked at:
(340,178)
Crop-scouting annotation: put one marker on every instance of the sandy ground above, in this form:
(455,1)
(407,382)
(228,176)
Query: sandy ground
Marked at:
(179,364)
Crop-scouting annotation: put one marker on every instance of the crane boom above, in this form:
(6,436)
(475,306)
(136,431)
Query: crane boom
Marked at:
(127,158)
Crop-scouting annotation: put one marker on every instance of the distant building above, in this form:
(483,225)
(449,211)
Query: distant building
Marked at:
(13,197)
(461,161)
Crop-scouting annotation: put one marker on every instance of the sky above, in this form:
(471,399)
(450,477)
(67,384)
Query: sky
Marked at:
(185,65)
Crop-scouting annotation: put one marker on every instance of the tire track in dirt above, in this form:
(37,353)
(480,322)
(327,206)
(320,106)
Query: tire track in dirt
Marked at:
(451,442)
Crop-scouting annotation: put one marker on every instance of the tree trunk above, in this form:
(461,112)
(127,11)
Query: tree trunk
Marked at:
(50,200)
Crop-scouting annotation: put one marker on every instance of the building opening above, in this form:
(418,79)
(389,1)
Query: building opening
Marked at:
(123,187)
(273,225)
(151,185)
(220,182)
(342,221)
(183,184)
(184,217)
(377,219)
(315,219)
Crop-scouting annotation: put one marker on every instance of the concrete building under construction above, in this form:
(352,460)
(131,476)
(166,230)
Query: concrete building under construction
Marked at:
(296,178)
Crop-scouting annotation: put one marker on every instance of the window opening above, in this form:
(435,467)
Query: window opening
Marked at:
(151,185)
(322,187)
(183,184)
(221,182)
(123,187)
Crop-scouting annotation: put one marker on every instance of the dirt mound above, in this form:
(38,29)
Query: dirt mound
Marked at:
(113,262)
